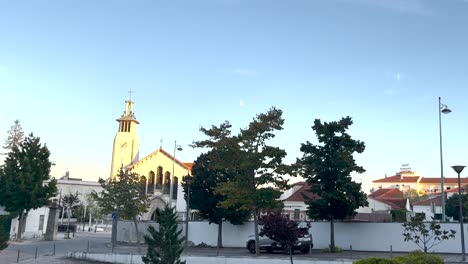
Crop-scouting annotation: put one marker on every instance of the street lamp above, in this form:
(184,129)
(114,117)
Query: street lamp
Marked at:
(445,110)
(188,181)
(179,148)
(458,169)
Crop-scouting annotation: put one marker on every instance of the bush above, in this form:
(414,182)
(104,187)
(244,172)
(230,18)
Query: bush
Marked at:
(418,257)
(329,250)
(374,260)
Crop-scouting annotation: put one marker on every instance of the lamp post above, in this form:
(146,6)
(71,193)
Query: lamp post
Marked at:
(445,110)
(458,169)
(188,181)
(179,148)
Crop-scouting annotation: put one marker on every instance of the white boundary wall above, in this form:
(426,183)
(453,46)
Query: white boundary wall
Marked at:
(361,236)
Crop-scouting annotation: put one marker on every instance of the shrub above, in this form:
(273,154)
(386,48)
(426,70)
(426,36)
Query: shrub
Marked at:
(329,250)
(375,260)
(418,257)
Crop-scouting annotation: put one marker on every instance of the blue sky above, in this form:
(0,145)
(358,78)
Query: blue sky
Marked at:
(66,67)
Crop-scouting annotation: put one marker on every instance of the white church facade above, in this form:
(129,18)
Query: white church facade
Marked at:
(160,170)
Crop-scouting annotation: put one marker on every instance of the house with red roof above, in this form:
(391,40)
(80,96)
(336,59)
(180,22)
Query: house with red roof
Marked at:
(381,203)
(429,208)
(408,179)
(294,201)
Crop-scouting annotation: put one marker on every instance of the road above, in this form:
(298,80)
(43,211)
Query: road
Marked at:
(98,242)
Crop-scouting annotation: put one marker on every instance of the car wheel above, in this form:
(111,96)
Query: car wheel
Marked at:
(251,246)
(269,249)
(305,250)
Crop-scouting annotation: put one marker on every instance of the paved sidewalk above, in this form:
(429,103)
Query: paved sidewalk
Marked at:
(100,243)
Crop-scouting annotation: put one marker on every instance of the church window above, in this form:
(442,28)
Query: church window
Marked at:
(129,126)
(151,182)
(143,184)
(167,182)
(175,187)
(159,178)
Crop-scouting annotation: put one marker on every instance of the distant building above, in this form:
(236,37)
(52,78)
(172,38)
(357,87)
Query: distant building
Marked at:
(157,169)
(36,221)
(429,208)
(408,179)
(294,202)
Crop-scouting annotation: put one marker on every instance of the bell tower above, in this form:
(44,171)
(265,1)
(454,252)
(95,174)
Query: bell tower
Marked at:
(126,142)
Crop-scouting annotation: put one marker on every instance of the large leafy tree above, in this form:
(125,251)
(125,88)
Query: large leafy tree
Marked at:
(203,196)
(327,166)
(70,201)
(164,244)
(283,230)
(15,136)
(251,158)
(25,181)
(123,195)
(452,208)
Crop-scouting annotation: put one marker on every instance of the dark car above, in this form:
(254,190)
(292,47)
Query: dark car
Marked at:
(304,244)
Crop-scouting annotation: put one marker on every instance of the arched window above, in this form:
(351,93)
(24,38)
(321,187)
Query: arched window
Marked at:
(143,184)
(159,178)
(151,182)
(167,182)
(175,187)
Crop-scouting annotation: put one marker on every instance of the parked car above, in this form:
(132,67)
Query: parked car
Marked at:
(304,244)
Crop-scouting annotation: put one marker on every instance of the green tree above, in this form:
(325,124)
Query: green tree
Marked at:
(15,136)
(425,235)
(327,166)
(123,195)
(203,197)
(165,244)
(25,181)
(451,206)
(251,158)
(71,202)
(283,230)
(414,196)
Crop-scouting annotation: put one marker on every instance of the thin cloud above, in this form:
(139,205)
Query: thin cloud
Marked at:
(399,76)
(241,103)
(245,72)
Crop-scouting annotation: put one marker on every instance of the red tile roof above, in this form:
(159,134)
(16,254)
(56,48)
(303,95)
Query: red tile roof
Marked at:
(395,203)
(398,178)
(391,193)
(188,164)
(455,190)
(298,196)
(446,180)
(408,179)
(436,200)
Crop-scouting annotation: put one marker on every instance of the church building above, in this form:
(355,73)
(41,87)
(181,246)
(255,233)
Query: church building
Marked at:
(158,169)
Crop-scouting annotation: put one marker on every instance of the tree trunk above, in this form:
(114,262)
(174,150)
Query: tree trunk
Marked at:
(257,242)
(220,237)
(68,224)
(332,236)
(290,253)
(135,221)
(21,224)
